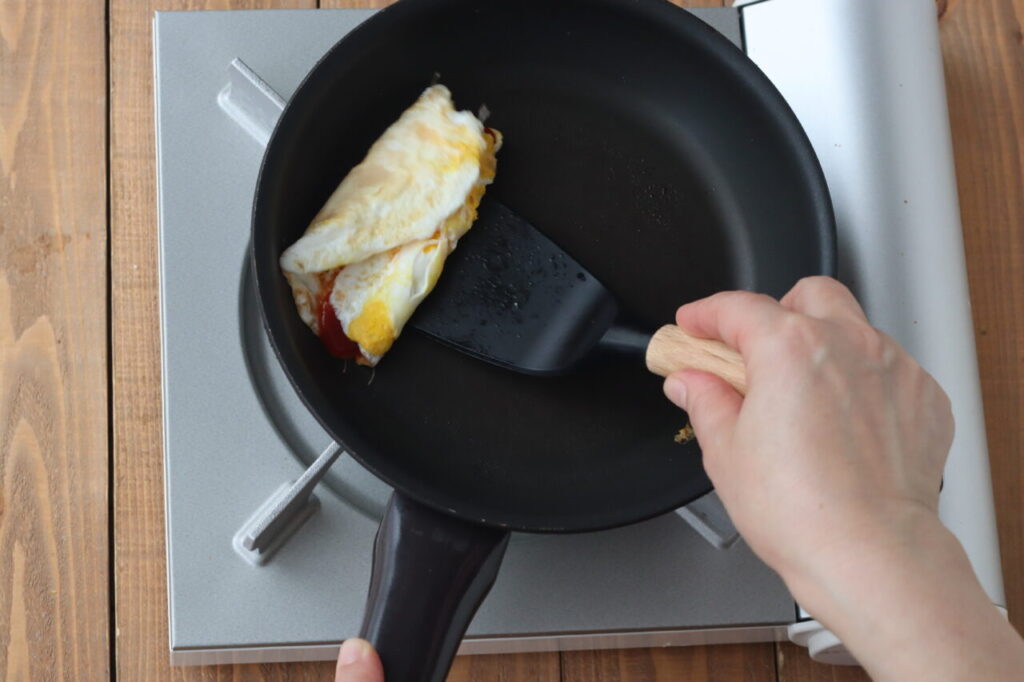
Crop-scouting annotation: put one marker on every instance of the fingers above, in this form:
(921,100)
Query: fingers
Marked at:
(358,662)
(713,405)
(826,299)
(734,317)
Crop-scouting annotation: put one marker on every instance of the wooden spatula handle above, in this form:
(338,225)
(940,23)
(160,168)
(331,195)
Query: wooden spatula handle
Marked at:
(671,349)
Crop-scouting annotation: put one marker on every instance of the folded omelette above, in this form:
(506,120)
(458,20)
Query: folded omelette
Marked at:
(377,247)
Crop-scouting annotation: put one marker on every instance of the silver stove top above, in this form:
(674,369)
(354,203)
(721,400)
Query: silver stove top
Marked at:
(234,432)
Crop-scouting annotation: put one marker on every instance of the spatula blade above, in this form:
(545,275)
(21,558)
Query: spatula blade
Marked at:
(512,297)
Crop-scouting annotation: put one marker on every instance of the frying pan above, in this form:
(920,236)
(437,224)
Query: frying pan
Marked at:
(645,145)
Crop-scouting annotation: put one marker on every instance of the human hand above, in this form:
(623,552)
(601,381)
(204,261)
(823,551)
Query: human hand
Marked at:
(830,468)
(841,439)
(358,662)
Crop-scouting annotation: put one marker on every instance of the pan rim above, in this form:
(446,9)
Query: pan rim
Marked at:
(710,41)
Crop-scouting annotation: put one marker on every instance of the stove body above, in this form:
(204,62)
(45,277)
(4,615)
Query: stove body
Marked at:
(234,432)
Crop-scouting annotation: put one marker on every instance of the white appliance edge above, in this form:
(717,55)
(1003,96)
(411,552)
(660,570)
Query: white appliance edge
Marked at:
(845,66)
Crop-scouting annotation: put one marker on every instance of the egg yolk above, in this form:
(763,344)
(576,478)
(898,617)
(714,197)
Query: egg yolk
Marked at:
(373,328)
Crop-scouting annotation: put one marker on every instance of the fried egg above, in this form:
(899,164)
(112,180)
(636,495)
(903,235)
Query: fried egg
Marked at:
(378,245)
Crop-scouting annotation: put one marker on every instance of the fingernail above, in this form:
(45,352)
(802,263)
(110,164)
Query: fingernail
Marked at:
(675,390)
(353,651)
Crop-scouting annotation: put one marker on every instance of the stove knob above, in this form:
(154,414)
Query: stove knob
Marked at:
(822,645)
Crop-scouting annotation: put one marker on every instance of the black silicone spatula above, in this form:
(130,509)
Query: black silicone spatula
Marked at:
(512,297)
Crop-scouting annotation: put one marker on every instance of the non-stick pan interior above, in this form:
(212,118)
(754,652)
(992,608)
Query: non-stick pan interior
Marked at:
(635,137)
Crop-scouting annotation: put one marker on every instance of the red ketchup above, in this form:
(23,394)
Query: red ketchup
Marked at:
(332,335)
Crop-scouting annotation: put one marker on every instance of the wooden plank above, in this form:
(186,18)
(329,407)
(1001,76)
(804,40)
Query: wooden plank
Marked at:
(981,44)
(731,663)
(794,665)
(139,563)
(54,606)
(543,667)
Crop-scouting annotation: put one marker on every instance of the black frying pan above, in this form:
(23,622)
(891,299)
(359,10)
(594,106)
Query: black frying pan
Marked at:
(648,147)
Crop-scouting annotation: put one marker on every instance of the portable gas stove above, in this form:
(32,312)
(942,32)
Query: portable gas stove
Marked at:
(261,568)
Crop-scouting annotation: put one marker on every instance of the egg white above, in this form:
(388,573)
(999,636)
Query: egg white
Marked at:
(378,245)
(414,176)
(375,297)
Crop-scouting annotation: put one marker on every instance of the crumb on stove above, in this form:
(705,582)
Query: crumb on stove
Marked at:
(685,435)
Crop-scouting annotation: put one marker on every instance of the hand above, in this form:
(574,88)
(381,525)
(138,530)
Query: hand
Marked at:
(842,436)
(358,662)
(830,468)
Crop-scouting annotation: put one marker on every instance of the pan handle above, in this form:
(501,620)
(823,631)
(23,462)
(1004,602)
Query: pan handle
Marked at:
(672,350)
(430,573)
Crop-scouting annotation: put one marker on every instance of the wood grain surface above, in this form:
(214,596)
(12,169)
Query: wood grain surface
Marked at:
(542,667)
(731,663)
(794,665)
(55,410)
(54,553)
(983,47)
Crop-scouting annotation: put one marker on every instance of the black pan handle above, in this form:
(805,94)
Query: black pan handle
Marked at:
(430,573)
(623,338)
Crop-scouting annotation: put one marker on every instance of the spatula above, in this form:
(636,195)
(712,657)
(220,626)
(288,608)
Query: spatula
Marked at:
(510,296)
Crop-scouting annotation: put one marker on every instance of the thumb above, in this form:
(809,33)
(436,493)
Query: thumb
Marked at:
(358,662)
(713,405)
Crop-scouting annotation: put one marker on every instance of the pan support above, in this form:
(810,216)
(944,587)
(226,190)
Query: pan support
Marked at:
(283,512)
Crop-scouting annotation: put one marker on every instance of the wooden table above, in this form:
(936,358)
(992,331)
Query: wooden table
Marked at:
(82,584)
